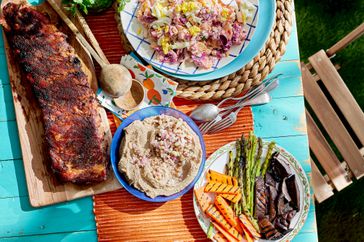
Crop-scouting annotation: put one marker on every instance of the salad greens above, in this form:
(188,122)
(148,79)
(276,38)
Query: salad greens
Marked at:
(122,4)
(87,6)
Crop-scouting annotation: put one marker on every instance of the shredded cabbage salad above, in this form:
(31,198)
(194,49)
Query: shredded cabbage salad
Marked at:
(199,31)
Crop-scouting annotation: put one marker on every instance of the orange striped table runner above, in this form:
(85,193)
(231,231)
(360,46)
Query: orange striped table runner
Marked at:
(122,217)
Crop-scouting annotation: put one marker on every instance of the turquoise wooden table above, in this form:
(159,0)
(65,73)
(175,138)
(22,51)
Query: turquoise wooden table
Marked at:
(282,120)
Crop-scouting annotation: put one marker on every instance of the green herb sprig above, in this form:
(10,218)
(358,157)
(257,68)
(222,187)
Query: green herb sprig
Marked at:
(73,5)
(121,4)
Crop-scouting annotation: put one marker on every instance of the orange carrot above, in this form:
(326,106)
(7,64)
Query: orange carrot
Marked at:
(202,198)
(225,233)
(234,198)
(216,216)
(215,176)
(219,237)
(225,210)
(221,188)
(245,223)
(238,227)
(248,236)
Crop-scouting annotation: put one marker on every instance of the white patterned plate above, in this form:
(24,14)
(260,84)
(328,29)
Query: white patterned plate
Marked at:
(134,32)
(217,162)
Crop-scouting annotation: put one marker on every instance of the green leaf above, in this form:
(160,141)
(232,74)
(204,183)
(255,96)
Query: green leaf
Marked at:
(122,4)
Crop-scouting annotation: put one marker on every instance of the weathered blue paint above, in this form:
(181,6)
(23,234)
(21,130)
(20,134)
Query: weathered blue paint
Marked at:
(281,120)
(6,104)
(297,146)
(89,236)
(9,141)
(287,68)
(1,41)
(280,117)
(12,179)
(21,219)
(4,76)
(290,84)
(303,237)
(292,48)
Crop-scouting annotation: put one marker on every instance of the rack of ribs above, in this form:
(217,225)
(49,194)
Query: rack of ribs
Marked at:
(71,120)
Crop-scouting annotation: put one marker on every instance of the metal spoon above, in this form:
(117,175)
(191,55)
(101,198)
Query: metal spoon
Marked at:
(233,116)
(258,100)
(208,111)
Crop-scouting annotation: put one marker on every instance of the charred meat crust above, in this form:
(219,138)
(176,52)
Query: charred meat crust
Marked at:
(71,120)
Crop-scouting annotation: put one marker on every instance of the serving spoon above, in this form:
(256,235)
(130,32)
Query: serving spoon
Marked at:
(208,111)
(115,79)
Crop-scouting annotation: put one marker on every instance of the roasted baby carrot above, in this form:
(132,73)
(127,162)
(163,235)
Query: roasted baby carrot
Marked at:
(221,188)
(203,200)
(248,236)
(234,198)
(225,233)
(219,237)
(219,219)
(238,226)
(245,223)
(225,210)
(214,176)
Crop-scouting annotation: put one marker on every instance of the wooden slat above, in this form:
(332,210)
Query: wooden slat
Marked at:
(325,155)
(339,92)
(332,124)
(321,189)
(353,35)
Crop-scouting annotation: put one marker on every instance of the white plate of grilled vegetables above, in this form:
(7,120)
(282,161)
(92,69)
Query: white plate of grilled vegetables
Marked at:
(252,188)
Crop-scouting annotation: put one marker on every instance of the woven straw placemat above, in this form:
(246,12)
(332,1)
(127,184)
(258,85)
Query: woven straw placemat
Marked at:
(249,75)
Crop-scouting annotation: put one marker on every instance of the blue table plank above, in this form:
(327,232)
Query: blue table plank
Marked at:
(280,117)
(305,237)
(1,40)
(292,52)
(4,76)
(287,68)
(89,236)
(295,145)
(12,182)
(21,219)
(9,141)
(310,224)
(7,112)
(290,84)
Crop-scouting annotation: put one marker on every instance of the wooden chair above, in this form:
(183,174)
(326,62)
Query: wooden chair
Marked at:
(319,74)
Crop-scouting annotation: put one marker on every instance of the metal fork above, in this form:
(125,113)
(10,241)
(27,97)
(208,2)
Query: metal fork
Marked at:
(233,116)
(259,100)
(266,86)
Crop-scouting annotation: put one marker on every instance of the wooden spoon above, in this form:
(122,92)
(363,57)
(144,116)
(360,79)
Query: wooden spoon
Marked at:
(115,79)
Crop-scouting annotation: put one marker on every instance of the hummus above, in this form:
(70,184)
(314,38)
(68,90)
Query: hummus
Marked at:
(160,155)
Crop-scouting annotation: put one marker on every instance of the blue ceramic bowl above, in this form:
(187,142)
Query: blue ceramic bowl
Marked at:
(141,115)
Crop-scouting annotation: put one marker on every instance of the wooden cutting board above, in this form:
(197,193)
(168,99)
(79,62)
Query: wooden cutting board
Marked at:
(43,187)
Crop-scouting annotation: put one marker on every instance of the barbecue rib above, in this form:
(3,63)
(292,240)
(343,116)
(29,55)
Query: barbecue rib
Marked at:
(71,121)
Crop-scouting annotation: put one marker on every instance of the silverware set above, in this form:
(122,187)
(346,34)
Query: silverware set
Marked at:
(215,118)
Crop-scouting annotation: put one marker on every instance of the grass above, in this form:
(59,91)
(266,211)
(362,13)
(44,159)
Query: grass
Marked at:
(320,25)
